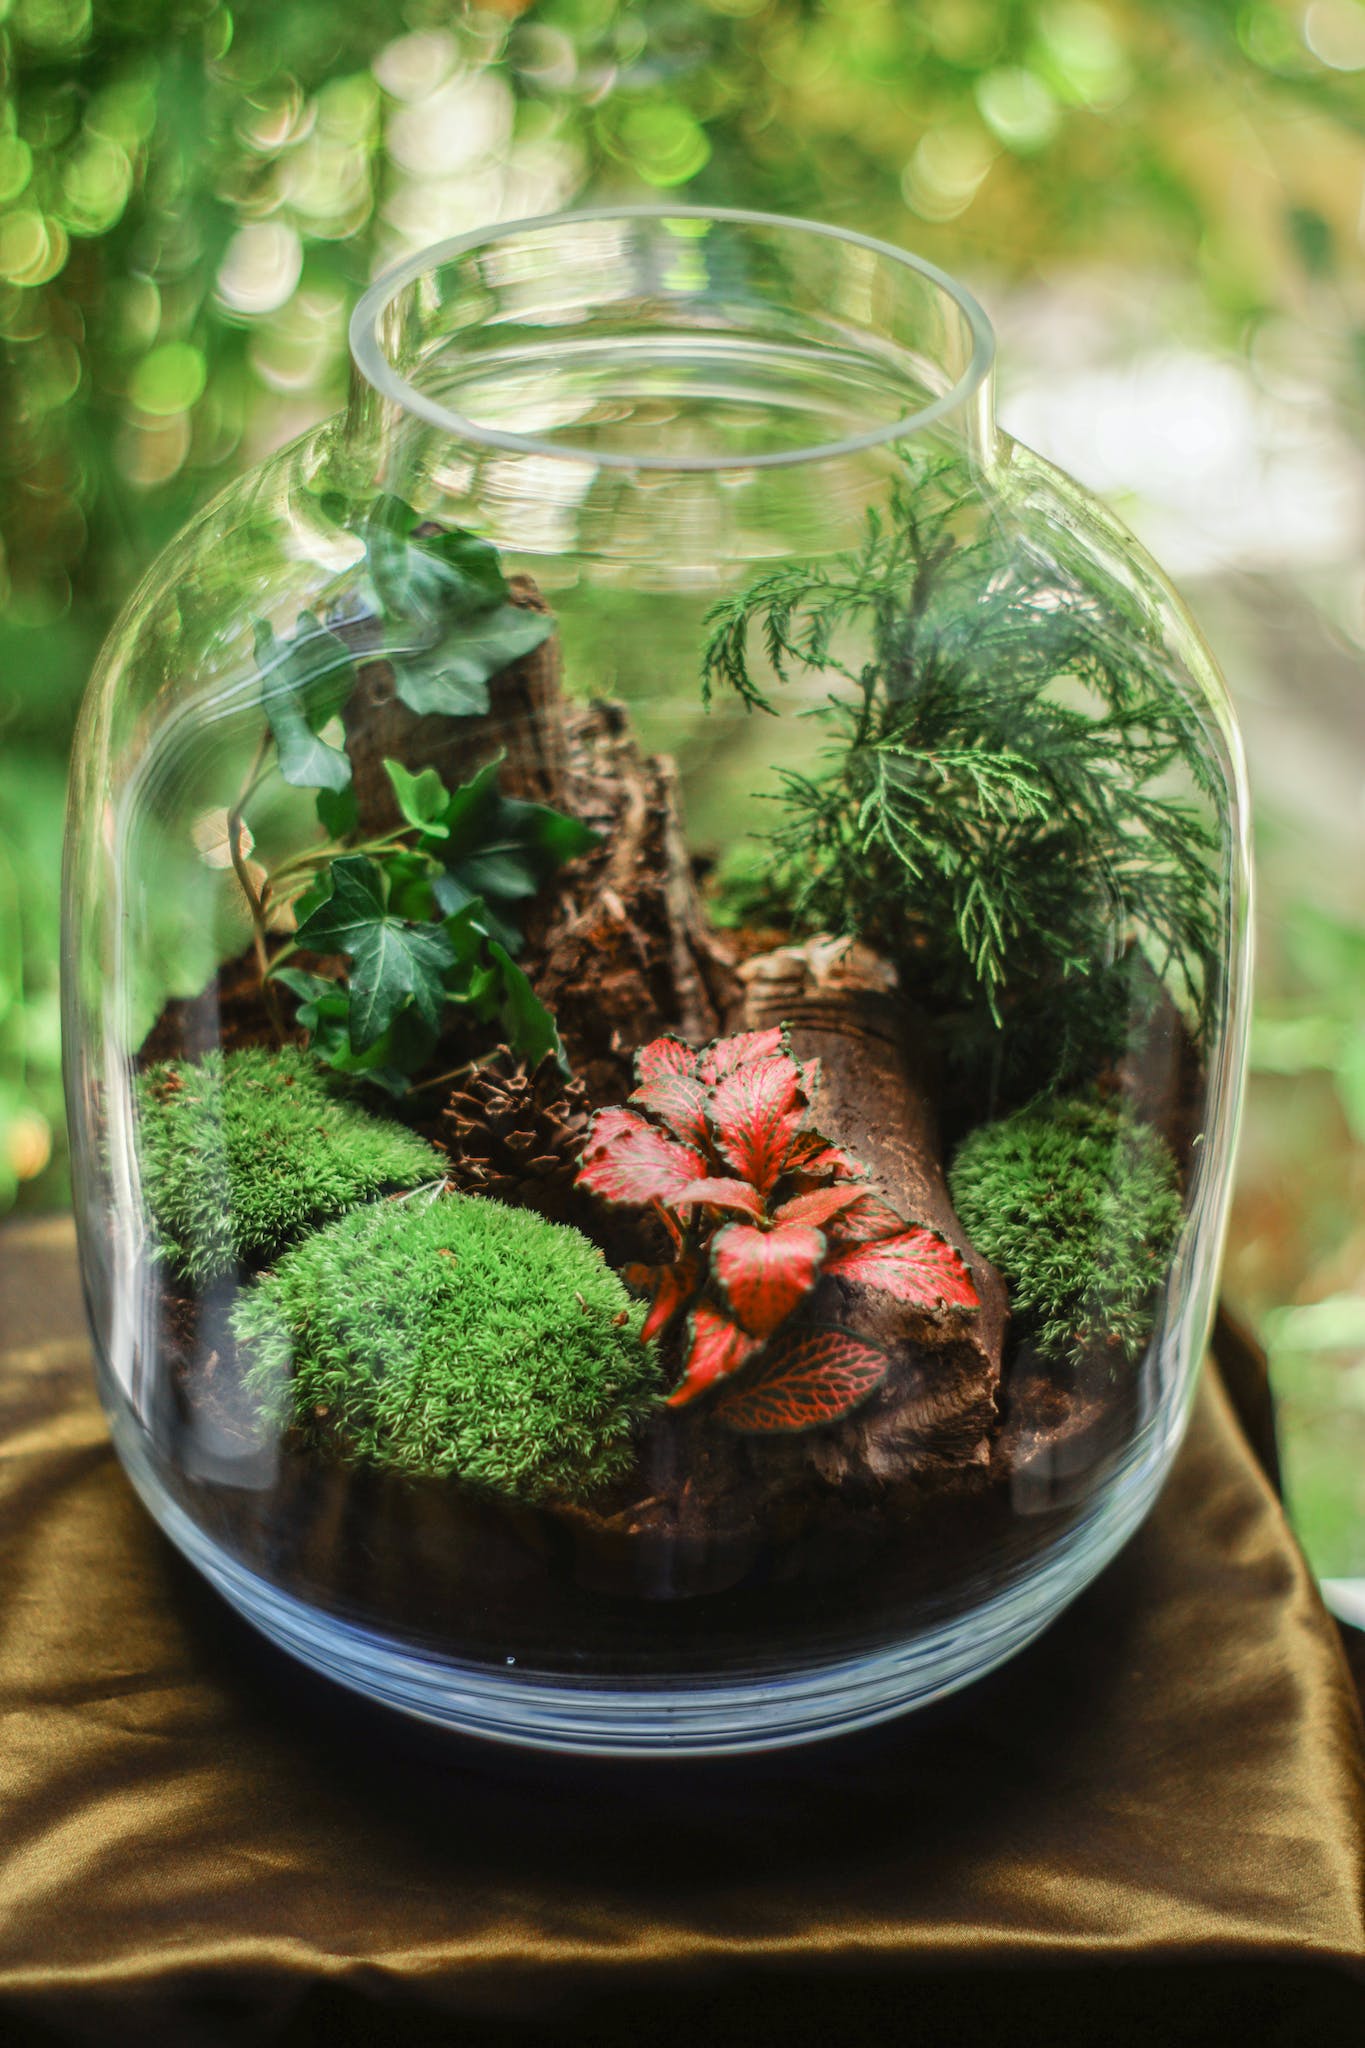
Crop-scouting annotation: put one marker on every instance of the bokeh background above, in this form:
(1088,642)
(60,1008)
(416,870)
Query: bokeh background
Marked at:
(1160,202)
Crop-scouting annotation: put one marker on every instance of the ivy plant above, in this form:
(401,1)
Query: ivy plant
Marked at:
(445,603)
(425,915)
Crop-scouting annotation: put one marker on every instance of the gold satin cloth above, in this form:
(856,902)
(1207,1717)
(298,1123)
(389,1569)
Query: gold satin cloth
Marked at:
(1149,1828)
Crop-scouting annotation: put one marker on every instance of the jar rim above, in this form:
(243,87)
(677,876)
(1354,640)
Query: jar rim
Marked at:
(374,365)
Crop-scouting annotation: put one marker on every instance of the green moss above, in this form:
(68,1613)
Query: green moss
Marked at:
(241,1151)
(454,1337)
(1077,1204)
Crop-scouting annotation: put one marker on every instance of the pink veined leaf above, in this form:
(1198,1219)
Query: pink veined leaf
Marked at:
(627,1161)
(765,1274)
(680,1101)
(867,1218)
(716,1348)
(755,1114)
(817,1205)
(671,1287)
(664,1056)
(802,1381)
(746,1046)
(810,1080)
(918,1267)
(812,1157)
(720,1194)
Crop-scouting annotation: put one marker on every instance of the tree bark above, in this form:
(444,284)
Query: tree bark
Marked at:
(937,1410)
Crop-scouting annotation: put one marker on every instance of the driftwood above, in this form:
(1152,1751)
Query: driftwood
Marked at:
(621,951)
(938,1407)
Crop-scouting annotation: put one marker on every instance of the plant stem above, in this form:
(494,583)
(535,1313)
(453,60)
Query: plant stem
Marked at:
(236,827)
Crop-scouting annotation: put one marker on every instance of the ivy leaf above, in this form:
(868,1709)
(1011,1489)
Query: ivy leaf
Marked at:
(337,811)
(804,1381)
(765,1274)
(529,1026)
(304,683)
(422,799)
(444,601)
(918,1267)
(394,962)
(452,676)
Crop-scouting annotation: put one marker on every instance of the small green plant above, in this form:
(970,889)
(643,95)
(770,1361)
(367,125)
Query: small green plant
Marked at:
(995,810)
(451,1337)
(425,916)
(426,913)
(1077,1203)
(240,1151)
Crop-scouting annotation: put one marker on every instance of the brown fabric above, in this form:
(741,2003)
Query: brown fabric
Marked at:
(1149,1828)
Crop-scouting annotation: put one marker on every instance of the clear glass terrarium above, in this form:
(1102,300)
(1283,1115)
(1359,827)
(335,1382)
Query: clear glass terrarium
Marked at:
(656,967)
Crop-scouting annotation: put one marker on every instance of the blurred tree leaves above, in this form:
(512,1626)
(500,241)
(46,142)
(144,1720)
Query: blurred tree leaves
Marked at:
(192,194)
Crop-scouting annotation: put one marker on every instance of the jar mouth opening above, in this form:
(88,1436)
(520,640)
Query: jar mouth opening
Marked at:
(421,311)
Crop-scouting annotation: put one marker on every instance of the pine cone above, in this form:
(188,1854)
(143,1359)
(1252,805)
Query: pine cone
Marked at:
(517,1135)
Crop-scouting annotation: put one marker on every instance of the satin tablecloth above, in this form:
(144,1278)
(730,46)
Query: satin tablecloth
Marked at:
(1150,1828)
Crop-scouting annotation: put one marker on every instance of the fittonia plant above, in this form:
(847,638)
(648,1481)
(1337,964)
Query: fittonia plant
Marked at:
(759,1208)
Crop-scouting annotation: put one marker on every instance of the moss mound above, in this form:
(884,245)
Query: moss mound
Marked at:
(243,1150)
(454,1337)
(1078,1205)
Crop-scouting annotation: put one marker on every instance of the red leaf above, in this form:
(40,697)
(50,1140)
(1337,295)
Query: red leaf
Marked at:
(627,1160)
(679,1101)
(746,1046)
(717,1347)
(756,1111)
(918,1267)
(720,1194)
(817,1206)
(812,1157)
(765,1274)
(671,1287)
(867,1218)
(803,1380)
(664,1056)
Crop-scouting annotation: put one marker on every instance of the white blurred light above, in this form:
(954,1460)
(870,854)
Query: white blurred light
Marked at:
(1334,31)
(1224,475)
(464,123)
(412,66)
(260,268)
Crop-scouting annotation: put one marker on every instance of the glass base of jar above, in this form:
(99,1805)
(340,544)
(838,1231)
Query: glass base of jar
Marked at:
(639,1719)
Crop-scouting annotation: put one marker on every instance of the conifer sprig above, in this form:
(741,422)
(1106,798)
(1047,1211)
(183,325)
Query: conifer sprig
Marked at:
(1015,791)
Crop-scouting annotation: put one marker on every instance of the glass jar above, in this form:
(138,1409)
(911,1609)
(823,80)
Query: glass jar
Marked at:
(656,990)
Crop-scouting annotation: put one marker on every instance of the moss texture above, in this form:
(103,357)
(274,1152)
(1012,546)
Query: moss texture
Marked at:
(243,1150)
(1078,1205)
(451,1336)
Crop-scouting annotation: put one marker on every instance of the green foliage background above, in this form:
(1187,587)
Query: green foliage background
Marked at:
(192,195)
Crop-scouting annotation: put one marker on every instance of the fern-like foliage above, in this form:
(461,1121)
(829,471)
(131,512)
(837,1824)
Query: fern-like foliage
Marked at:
(1015,795)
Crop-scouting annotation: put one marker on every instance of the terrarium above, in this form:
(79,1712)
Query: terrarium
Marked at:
(656,936)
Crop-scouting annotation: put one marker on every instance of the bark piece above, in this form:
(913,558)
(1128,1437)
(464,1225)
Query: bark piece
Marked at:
(937,1409)
(621,951)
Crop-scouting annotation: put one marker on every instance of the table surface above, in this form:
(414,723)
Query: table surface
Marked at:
(1149,1828)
